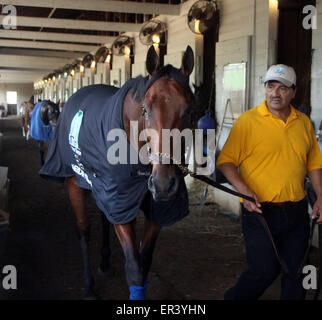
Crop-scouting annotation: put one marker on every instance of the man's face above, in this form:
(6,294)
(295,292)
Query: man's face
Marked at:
(278,96)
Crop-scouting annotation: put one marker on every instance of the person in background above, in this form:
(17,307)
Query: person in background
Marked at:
(270,150)
(319,132)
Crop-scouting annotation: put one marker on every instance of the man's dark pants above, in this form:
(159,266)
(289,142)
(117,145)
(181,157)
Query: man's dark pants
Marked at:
(290,227)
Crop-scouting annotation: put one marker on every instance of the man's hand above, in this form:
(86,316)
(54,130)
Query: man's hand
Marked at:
(249,205)
(316,180)
(317,209)
(230,172)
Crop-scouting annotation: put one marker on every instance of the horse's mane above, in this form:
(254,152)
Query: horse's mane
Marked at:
(142,84)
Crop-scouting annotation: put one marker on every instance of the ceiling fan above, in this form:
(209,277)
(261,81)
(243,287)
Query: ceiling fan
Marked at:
(153,32)
(202,16)
(123,45)
(101,54)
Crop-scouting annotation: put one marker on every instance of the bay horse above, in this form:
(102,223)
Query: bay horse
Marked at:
(79,153)
(44,118)
(27,118)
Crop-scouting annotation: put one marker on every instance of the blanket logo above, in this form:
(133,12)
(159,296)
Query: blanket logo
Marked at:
(82,173)
(74,131)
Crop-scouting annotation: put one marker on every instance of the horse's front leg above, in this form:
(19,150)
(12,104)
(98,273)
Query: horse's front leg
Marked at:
(77,197)
(133,265)
(147,245)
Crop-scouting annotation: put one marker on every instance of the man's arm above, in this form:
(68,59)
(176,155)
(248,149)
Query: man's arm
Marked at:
(230,172)
(316,180)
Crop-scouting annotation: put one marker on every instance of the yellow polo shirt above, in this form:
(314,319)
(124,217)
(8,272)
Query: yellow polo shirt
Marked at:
(273,156)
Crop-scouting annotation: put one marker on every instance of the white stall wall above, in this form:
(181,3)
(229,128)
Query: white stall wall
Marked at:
(121,70)
(316,71)
(263,48)
(246,37)
(247,34)
(138,67)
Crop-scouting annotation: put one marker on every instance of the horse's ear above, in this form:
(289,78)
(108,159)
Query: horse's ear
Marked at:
(152,61)
(187,62)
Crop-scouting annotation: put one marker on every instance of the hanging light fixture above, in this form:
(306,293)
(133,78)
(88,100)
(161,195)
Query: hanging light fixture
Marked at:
(108,59)
(127,50)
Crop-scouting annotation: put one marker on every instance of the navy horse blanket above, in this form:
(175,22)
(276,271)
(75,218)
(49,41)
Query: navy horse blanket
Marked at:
(79,147)
(38,130)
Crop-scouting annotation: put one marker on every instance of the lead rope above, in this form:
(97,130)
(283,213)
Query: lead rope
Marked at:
(186,171)
(319,279)
(160,155)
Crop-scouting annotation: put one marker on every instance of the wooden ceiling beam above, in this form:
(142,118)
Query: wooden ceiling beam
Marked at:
(103,5)
(75,24)
(53,36)
(47,45)
(46,63)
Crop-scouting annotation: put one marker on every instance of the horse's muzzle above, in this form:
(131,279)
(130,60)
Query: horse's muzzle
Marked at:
(163,189)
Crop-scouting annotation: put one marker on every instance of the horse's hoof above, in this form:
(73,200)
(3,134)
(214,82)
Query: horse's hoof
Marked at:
(91,295)
(108,273)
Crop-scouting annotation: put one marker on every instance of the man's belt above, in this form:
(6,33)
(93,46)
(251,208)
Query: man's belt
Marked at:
(282,205)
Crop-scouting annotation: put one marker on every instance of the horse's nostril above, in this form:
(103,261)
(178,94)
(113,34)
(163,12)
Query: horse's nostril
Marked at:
(172,185)
(151,186)
(164,191)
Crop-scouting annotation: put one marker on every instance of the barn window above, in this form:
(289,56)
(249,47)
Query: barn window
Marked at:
(11,97)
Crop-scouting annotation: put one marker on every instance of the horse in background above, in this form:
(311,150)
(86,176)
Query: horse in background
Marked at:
(27,118)
(44,118)
(79,149)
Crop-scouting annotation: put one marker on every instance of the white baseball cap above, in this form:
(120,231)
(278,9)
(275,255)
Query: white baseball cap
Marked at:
(281,73)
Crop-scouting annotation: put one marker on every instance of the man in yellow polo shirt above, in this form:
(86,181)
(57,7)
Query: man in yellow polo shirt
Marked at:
(274,146)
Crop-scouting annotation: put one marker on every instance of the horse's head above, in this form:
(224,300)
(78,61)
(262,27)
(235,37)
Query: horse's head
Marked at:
(49,112)
(165,105)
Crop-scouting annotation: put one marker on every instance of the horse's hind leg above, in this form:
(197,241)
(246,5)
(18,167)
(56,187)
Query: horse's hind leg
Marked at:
(105,266)
(77,197)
